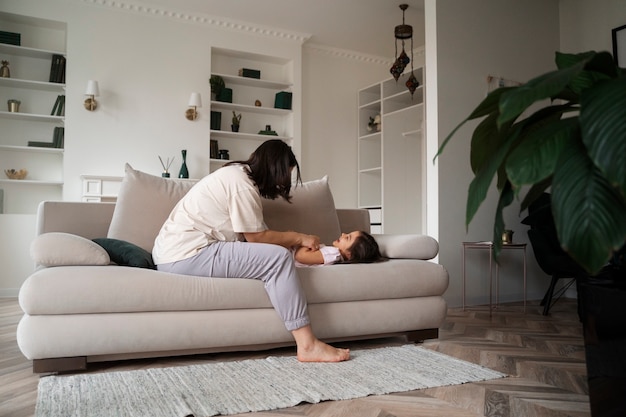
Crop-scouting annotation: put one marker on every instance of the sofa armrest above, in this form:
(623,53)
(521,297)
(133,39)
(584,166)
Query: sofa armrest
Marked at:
(353,219)
(407,246)
(89,220)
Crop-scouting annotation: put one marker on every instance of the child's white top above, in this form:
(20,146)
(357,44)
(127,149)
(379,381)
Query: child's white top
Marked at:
(330,254)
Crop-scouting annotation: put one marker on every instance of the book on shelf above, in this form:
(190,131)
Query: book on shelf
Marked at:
(58,137)
(38,144)
(58,140)
(59,106)
(57,69)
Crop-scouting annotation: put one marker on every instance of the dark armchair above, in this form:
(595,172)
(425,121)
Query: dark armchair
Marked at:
(552,259)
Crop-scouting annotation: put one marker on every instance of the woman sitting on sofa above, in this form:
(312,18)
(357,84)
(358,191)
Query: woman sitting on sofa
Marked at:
(217,230)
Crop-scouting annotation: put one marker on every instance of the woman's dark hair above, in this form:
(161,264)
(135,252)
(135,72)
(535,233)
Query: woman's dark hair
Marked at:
(270,169)
(365,250)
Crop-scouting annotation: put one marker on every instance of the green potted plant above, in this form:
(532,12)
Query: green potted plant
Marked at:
(565,130)
(217,84)
(236,121)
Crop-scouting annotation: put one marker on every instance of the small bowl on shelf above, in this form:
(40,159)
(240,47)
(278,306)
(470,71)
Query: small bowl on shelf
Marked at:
(15,174)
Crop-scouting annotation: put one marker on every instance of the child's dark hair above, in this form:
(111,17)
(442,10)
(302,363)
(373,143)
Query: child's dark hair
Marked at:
(270,168)
(365,250)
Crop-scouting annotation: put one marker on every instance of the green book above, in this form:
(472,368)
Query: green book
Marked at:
(58,137)
(37,144)
(61,108)
(56,105)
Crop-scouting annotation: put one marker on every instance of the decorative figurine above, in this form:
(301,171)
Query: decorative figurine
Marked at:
(4,70)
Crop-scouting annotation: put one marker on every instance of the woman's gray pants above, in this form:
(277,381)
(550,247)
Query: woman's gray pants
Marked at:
(271,264)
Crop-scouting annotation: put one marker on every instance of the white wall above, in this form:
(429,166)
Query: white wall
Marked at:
(476,38)
(331,80)
(586,25)
(147,64)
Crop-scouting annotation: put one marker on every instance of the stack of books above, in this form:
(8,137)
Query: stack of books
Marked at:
(59,106)
(58,140)
(10,38)
(57,69)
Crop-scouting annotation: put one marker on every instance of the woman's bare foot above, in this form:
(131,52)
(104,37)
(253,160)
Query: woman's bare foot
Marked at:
(322,352)
(311,349)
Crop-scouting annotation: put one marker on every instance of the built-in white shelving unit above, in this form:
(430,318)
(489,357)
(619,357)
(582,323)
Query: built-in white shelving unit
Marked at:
(391,156)
(276,76)
(30,67)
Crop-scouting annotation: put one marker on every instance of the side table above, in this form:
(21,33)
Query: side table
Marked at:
(489,247)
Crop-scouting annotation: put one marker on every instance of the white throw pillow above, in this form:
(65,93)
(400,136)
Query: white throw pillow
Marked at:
(312,211)
(143,203)
(58,249)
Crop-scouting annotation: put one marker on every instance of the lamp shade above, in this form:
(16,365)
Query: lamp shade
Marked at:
(92,88)
(195,100)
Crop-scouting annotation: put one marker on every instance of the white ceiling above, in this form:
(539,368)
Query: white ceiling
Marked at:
(364,26)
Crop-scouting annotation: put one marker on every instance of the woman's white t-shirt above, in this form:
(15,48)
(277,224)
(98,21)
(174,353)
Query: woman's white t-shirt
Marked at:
(220,207)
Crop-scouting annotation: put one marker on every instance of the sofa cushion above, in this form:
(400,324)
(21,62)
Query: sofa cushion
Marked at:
(125,253)
(143,203)
(118,289)
(312,211)
(407,246)
(58,249)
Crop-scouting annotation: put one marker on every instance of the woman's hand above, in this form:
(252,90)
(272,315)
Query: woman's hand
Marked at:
(310,241)
(286,239)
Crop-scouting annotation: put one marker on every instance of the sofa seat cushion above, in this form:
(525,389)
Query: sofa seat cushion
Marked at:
(113,289)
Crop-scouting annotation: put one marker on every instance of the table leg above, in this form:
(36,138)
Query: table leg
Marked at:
(463,283)
(524,279)
(497,284)
(491,281)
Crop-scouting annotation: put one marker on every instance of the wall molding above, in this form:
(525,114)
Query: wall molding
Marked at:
(347,54)
(357,56)
(200,18)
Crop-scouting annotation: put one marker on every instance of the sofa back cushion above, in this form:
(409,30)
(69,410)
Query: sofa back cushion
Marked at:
(312,211)
(143,203)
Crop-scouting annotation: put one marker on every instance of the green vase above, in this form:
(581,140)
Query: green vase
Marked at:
(184,172)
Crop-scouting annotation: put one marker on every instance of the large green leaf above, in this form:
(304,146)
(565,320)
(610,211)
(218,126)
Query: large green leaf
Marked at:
(484,140)
(566,60)
(535,191)
(603,125)
(487,106)
(536,156)
(546,86)
(588,211)
(598,66)
(480,184)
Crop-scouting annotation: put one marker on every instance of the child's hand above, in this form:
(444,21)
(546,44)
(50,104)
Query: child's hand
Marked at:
(310,241)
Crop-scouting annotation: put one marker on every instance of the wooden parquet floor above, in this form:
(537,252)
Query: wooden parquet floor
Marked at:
(544,357)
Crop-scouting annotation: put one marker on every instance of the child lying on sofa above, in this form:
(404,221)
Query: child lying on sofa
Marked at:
(353,247)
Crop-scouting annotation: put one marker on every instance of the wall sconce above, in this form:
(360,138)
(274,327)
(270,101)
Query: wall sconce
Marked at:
(195,101)
(92,92)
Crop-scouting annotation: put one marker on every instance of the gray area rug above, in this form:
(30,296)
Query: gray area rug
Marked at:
(251,385)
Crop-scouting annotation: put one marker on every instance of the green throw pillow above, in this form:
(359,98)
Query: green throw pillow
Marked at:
(126,253)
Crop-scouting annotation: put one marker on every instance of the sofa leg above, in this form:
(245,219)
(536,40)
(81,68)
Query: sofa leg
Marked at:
(77,363)
(421,335)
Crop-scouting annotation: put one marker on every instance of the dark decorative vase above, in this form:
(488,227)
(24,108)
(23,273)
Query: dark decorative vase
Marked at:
(184,172)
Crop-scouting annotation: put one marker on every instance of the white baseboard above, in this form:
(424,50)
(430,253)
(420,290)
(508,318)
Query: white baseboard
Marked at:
(9,292)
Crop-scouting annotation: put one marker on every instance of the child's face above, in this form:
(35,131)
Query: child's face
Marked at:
(345,242)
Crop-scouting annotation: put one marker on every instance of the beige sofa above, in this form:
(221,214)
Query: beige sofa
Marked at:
(81,308)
